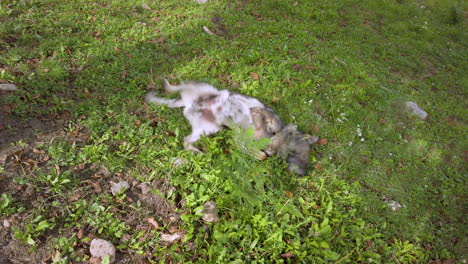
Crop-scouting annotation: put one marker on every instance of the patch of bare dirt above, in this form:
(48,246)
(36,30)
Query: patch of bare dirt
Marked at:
(19,139)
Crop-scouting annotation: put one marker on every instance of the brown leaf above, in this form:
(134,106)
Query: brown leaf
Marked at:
(368,244)
(81,166)
(117,49)
(449,261)
(7,108)
(31,162)
(57,169)
(80,233)
(253,13)
(314,129)
(95,260)
(318,166)
(452,122)
(288,194)
(254,75)
(312,186)
(38,151)
(154,225)
(96,186)
(123,75)
(74,197)
(146,6)
(464,154)
(287,255)
(310,67)
(322,141)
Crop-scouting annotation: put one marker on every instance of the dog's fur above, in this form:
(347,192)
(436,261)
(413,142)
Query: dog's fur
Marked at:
(208,110)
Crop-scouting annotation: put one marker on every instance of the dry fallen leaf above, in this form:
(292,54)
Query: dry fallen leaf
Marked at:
(74,197)
(318,166)
(38,151)
(288,194)
(95,260)
(322,141)
(57,169)
(146,6)
(97,188)
(80,233)
(368,244)
(154,225)
(287,255)
(254,76)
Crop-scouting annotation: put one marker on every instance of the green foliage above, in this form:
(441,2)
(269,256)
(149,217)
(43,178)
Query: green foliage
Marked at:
(55,180)
(8,205)
(33,229)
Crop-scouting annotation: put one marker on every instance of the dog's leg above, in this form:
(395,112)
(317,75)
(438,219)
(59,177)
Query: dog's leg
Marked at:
(170,88)
(197,132)
(172,103)
(273,147)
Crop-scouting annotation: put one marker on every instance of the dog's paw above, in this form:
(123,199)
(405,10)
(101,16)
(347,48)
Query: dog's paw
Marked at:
(150,97)
(260,155)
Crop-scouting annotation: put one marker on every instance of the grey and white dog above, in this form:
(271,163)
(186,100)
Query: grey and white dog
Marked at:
(209,110)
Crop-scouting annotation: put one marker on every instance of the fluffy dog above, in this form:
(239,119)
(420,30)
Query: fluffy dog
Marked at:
(209,110)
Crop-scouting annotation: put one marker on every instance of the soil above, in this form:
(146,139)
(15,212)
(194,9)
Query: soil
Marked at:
(21,155)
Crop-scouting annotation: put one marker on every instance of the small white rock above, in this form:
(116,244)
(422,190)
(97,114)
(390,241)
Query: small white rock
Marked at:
(180,161)
(6,223)
(8,87)
(118,187)
(101,248)
(170,238)
(207,30)
(394,205)
(209,212)
(201,1)
(416,110)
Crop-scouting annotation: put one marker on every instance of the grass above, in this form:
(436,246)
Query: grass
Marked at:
(340,69)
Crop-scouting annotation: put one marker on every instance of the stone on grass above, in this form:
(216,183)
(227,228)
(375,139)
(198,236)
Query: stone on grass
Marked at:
(209,212)
(170,238)
(201,1)
(416,110)
(118,187)
(101,248)
(8,87)
(394,205)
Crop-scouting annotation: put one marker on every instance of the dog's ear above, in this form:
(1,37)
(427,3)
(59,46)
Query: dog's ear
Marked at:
(311,139)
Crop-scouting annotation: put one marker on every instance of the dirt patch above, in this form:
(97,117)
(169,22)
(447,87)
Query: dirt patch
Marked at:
(18,139)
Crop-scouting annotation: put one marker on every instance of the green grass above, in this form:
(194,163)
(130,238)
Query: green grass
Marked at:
(340,69)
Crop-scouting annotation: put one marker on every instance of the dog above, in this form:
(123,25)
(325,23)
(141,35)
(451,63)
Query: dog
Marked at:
(209,110)
(285,140)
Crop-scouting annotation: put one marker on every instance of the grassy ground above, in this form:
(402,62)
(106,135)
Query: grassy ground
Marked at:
(339,69)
